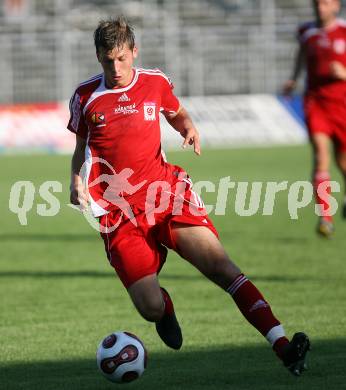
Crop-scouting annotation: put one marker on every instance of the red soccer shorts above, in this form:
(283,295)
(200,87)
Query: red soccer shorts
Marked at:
(138,251)
(327,117)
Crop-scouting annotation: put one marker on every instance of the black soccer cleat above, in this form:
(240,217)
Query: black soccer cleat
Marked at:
(168,327)
(295,353)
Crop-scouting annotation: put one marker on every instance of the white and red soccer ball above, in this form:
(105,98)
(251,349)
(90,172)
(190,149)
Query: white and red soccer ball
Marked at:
(121,357)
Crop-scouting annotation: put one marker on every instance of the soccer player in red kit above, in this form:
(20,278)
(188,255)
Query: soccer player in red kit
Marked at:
(146,205)
(322,49)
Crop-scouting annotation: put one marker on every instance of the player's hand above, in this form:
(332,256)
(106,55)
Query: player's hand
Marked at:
(337,70)
(192,138)
(289,87)
(79,196)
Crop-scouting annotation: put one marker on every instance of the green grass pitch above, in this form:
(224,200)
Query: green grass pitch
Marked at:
(59,297)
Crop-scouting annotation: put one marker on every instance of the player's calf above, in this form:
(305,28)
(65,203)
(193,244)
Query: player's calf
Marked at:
(147,298)
(152,311)
(258,312)
(221,270)
(155,305)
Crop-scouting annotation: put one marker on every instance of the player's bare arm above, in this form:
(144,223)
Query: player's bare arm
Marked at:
(78,193)
(182,122)
(299,63)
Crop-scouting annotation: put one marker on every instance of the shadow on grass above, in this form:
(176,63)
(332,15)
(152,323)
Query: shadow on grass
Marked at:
(84,274)
(49,237)
(57,274)
(230,367)
(7,237)
(167,276)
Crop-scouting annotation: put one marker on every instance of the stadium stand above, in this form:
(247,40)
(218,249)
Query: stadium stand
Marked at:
(207,47)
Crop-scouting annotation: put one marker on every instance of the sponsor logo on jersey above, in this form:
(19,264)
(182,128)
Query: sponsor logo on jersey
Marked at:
(98,118)
(149,111)
(339,46)
(124,98)
(125,110)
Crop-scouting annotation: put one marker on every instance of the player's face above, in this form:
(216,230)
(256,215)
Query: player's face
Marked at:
(326,10)
(117,65)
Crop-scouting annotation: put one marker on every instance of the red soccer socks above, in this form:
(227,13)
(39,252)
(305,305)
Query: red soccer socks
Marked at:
(321,184)
(257,311)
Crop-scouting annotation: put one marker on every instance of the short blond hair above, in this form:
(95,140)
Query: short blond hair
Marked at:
(114,33)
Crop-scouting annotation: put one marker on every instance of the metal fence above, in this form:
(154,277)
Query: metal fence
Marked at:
(206,47)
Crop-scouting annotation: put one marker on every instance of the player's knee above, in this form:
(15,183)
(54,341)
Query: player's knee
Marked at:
(151,309)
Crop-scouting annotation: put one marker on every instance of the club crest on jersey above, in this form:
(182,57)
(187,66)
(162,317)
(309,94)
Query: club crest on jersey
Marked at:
(98,118)
(339,46)
(149,111)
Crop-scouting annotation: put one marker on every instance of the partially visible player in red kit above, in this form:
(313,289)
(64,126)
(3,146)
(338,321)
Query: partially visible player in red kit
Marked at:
(115,117)
(322,49)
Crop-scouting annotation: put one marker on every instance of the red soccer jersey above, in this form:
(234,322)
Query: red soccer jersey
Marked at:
(122,129)
(323,46)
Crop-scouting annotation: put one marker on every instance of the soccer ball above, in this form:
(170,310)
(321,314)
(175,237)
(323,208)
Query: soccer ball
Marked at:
(121,357)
